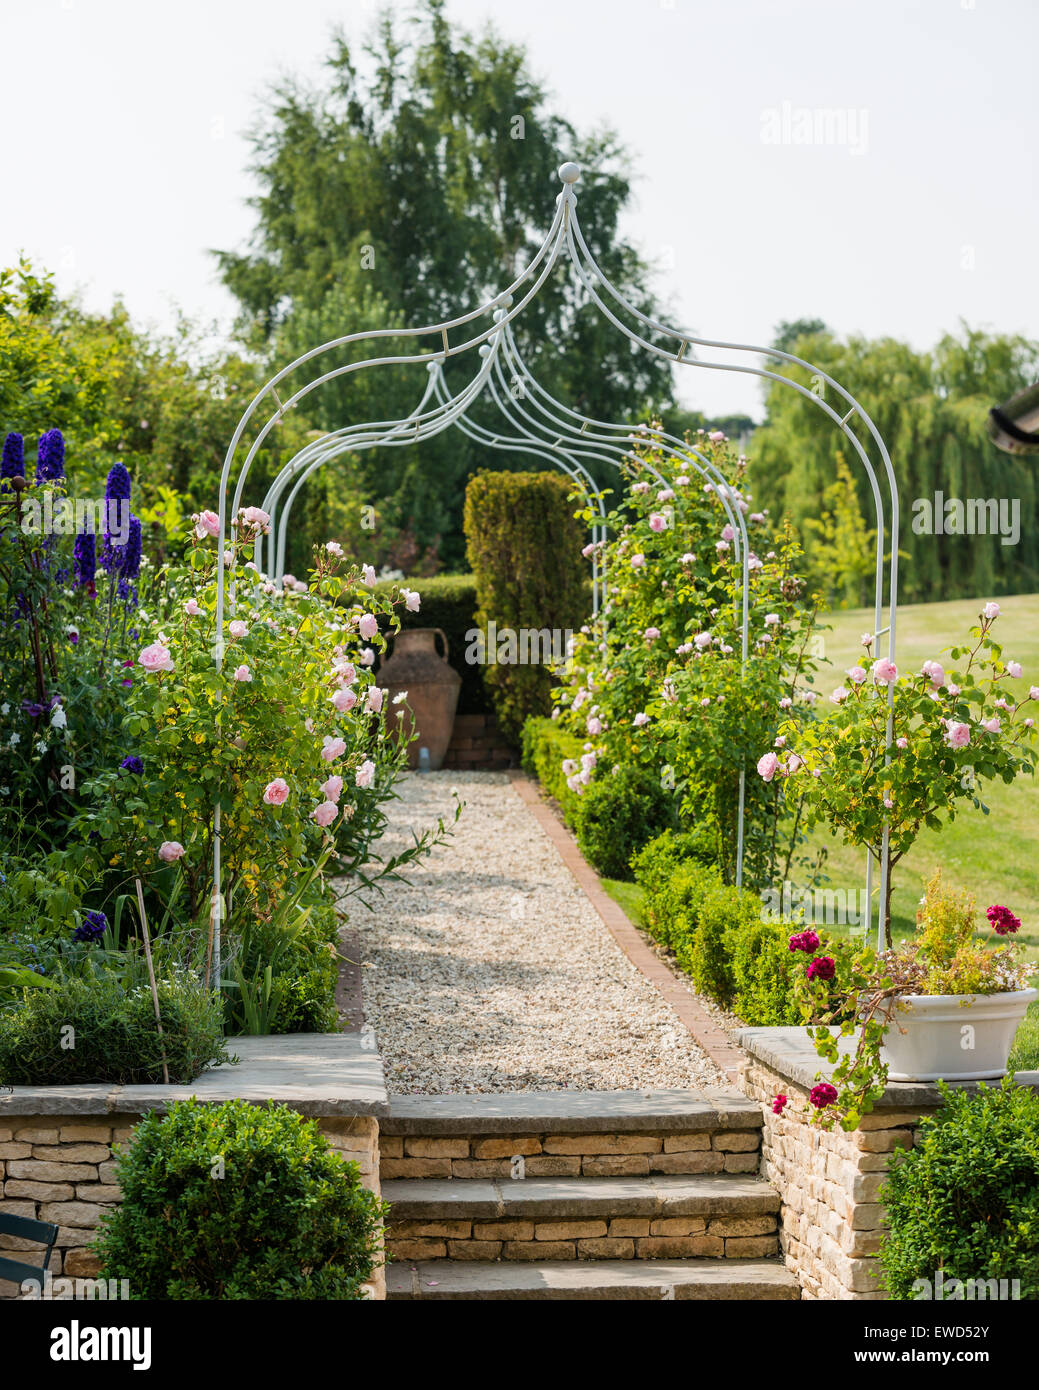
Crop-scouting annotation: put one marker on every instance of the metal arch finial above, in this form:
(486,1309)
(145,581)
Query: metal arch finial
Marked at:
(570,172)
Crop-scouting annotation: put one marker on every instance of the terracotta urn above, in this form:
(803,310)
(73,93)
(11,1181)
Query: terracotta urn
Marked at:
(432,688)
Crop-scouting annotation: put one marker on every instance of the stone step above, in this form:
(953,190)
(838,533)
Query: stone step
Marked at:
(570,1134)
(597,1279)
(538,1219)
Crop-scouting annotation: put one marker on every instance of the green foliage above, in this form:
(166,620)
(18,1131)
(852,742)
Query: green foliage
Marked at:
(545,748)
(840,549)
(449,603)
(965,1199)
(285,974)
(238,1201)
(717,932)
(523,544)
(618,814)
(931,409)
(113,1036)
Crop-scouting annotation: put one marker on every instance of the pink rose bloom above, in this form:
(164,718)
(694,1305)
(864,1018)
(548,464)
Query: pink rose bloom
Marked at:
(767,766)
(839,695)
(992,726)
(276,793)
(228,559)
(721,547)
(1033,692)
(727,533)
(935,673)
(785,702)
(170,851)
(757,517)
(156,658)
(332,788)
(991,610)
(857,675)
(191,608)
(326,813)
(332,748)
(1014,669)
(657,522)
(888,802)
(238,628)
(343,671)
(367,625)
(376,695)
(716,437)
(242,673)
(958,735)
(702,640)
(367,657)
(1029,723)
(952,689)
(288,581)
(665,495)
(637,562)
(640,719)
(651,634)
(594,727)
(640,487)
(866,639)
(588,549)
(207,524)
(344,700)
(794,762)
(412,601)
(688,558)
(308,724)
(254,516)
(365,774)
(884,671)
(902,743)
(368,575)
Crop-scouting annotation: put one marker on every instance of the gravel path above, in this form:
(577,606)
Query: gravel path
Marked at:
(491,971)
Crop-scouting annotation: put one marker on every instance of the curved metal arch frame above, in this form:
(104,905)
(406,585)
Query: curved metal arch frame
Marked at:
(564,230)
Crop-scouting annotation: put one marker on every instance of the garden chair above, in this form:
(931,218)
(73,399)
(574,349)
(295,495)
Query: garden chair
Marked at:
(43,1232)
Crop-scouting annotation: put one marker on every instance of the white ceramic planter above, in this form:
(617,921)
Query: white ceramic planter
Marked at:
(953,1037)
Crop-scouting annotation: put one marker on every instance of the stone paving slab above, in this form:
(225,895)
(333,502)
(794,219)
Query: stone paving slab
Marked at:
(660,1196)
(791,1052)
(571,1112)
(706,1279)
(314,1073)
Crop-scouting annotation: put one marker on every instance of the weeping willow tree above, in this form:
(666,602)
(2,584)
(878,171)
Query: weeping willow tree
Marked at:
(931,409)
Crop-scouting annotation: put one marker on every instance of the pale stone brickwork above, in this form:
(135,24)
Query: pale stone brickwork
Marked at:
(61,1169)
(829,1183)
(596,1155)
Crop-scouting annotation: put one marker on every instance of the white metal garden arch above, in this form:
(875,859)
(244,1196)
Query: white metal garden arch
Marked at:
(454,337)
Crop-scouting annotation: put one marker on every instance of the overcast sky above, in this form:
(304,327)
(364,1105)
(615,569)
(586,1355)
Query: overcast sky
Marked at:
(123,157)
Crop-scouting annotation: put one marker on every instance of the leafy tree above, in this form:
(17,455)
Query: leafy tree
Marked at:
(411,187)
(840,548)
(931,409)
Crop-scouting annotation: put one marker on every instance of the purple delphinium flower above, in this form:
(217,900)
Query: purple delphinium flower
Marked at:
(133,764)
(112,554)
(132,560)
(50,457)
(93,927)
(12,461)
(85,554)
(117,484)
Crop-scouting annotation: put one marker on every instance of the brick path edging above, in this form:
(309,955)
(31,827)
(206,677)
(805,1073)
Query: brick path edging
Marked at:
(720,1048)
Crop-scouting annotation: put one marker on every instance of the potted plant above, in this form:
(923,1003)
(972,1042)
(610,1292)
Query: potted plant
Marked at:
(942,1006)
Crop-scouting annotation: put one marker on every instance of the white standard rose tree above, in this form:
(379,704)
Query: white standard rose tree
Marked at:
(956,725)
(289,735)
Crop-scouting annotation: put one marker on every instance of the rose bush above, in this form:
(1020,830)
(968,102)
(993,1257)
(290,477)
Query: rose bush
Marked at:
(658,684)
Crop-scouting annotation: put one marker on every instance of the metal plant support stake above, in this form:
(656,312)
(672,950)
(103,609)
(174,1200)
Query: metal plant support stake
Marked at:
(541,425)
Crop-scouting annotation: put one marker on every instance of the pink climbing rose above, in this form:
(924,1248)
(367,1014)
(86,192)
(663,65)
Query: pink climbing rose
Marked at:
(276,793)
(332,748)
(156,658)
(326,813)
(344,700)
(207,524)
(367,625)
(332,788)
(376,695)
(884,671)
(958,735)
(365,774)
(170,851)
(767,766)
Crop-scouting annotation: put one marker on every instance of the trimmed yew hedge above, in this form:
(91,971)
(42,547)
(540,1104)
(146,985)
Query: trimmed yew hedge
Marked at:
(524,544)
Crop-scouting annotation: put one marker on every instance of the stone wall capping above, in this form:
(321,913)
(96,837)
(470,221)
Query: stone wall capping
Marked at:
(315,1073)
(790,1052)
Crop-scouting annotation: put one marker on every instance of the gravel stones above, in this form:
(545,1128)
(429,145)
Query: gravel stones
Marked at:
(489,970)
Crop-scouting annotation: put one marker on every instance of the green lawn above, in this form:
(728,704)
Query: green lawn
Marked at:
(995,856)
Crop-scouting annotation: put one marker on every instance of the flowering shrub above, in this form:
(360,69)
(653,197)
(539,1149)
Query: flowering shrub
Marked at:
(289,736)
(945,957)
(69,607)
(657,685)
(952,730)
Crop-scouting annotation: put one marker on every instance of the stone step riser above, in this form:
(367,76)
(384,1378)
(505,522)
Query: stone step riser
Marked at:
(569,1155)
(620,1238)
